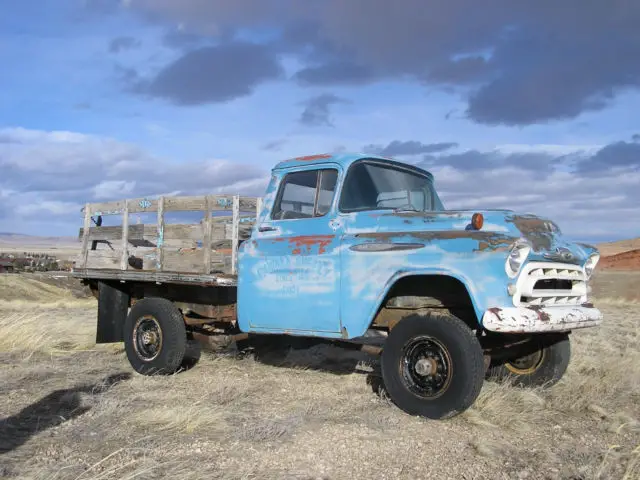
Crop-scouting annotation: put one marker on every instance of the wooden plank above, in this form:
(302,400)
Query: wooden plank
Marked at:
(184,204)
(160,234)
(143,205)
(206,238)
(248,204)
(103,259)
(184,261)
(182,231)
(234,233)
(85,238)
(221,280)
(107,208)
(142,258)
(124,264)
(137,233)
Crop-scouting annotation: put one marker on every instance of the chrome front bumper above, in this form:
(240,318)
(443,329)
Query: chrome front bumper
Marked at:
(540,319)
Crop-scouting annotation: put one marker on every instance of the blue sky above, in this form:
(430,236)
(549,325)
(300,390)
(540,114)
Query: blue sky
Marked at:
(531,107)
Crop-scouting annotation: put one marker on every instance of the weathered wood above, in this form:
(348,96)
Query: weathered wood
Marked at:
(187,261)
(184,204)
(202,248)
(181,231)
(107,208)
(234,233)
(124,245)
(247,204)
(85,238)
(206,238)
(158,277)
(143,205)
(137,233)
(103,259)
(160,237)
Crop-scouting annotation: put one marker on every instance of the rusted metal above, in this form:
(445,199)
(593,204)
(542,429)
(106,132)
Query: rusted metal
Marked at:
(304,243)
(310,158)
(486,240)
(205,314)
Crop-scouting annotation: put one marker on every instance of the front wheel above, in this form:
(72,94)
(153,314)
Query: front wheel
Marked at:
(432,366)
(543,365)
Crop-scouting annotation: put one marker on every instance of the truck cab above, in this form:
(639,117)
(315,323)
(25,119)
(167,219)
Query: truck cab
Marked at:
(338,233)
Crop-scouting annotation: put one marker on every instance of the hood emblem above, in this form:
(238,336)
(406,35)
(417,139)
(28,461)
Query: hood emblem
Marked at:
(561,254)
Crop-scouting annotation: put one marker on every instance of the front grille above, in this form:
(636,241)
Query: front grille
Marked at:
(549,284)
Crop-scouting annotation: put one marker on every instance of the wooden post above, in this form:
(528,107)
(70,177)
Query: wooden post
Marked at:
(160,234)
(235,227)
(85,236)
(206,240)
(258,208)
(124,260)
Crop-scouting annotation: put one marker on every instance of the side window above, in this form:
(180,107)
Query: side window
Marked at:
(305,194)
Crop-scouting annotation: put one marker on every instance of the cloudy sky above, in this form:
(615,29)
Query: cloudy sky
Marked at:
(531,106)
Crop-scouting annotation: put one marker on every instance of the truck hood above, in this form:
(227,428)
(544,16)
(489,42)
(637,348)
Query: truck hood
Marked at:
(501,228)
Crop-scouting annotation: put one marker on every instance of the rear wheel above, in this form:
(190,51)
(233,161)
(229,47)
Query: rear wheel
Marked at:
(542,365)
(432,366)
(155,338)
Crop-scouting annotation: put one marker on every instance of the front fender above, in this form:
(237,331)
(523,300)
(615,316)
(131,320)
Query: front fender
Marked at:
(367,278)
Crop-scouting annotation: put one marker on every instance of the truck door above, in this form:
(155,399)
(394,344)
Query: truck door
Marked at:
(289,271)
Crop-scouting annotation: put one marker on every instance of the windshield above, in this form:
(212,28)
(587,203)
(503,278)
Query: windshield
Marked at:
(371,186)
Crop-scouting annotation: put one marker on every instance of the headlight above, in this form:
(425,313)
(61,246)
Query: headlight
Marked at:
(517,255)
(591,263)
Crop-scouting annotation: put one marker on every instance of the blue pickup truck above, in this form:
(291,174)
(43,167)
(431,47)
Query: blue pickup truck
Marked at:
(342,246)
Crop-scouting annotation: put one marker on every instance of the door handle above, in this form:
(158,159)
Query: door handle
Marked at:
(266,229)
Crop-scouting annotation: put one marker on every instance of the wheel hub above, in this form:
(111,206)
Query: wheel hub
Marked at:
(147,338)
(426,366)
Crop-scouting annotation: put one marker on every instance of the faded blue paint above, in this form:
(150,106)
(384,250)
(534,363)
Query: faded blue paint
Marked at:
(303,276)
(144,203)
(224,202)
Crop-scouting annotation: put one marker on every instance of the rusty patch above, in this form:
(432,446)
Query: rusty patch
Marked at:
(535,229)
(307,241)
(310,158)
(486,240)
(542,315)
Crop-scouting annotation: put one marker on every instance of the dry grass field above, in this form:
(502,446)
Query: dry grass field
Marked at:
(72,410)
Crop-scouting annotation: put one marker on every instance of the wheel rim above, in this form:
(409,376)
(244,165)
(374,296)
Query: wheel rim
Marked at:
(527,364)
(425,367)
(147,338)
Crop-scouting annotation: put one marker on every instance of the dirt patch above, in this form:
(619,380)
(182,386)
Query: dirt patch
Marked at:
(622,261)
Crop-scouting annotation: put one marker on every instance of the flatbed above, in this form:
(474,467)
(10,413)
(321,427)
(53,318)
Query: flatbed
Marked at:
(166,252)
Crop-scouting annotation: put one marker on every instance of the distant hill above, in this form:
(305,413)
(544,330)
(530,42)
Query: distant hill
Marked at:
(614,248)
(629,260)
(21,239)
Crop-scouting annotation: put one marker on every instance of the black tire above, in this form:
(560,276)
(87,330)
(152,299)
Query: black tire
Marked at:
(458,363)
(149,319)
(192,354)
(545,366)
